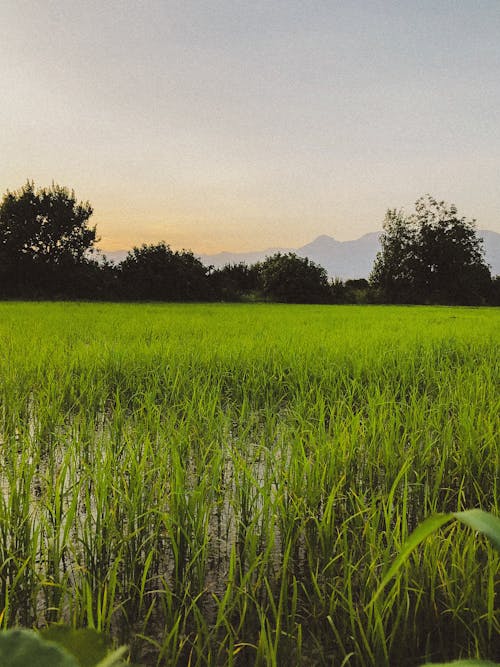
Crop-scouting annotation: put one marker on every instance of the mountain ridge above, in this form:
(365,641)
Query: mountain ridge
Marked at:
(341,259)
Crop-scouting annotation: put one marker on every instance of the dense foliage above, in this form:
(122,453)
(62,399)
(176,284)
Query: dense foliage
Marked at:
(45,240)
(47,246)
(158,273)
(292,279)
(431,256)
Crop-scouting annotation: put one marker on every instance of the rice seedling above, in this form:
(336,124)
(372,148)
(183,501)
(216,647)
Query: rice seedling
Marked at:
(229,484)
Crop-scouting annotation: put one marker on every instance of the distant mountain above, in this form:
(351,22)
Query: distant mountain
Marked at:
(342,259)
(219,260)
(222,258)
(345,259)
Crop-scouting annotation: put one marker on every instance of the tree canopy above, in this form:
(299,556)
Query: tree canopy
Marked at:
(431,256)
(292,279)
(157,272)
(46,246)
(234,281)
(44,236)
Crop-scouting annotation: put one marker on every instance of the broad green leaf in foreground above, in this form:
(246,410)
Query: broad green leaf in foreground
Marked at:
(421,532)
(114,659)
(477,519)
(483,522)
(23,648)
(87,645)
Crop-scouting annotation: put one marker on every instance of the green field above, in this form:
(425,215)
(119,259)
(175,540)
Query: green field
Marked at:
(228,484)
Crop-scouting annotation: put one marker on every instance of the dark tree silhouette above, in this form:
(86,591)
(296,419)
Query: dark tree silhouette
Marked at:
(494,296)
(357,290)
(292,279)
(44,240)
(431,256)
(234,282)
(46,246)
(158,273)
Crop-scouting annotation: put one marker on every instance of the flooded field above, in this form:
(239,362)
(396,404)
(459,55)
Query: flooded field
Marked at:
(228,484)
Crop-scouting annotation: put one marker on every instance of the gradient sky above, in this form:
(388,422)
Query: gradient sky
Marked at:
(228,125)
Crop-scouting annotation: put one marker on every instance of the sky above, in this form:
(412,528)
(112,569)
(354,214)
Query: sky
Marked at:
(227,125)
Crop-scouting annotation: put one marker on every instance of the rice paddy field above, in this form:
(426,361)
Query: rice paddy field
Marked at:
(227,484)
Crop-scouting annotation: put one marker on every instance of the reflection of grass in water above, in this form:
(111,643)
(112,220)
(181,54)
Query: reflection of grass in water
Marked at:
(229,483)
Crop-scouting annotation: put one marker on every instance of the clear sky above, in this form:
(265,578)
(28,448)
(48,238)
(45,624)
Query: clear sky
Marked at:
(237,125)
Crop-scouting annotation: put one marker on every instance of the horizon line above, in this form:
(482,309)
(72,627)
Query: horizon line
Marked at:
(257,250)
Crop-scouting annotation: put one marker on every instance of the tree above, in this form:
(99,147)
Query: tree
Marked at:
(233,282)
(357,290)
(494,296)
(44,238)
(156,272)
(431,256)
(293,279)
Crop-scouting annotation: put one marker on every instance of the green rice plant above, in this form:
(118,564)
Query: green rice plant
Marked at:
(227,484)
(479,521)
